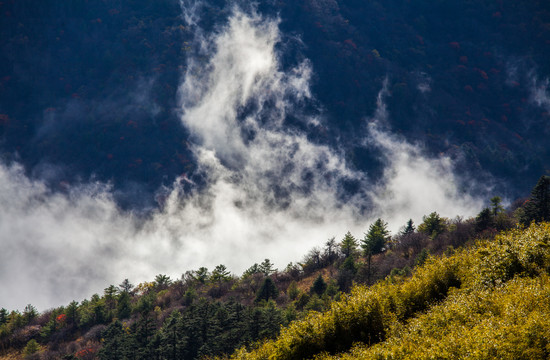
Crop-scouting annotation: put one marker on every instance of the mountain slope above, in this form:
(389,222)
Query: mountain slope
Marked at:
(490,301)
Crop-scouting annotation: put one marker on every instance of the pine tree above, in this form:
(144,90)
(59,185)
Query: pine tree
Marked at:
(484,220)
(123,309)
(173,338)
(537,208)
(348,245)
(432,225)
(3,316)
(319,286)
(409,228)
(220,274)
(266,267)
(126,286)
(374,241)
(267,291)
(114,344)
(496,208)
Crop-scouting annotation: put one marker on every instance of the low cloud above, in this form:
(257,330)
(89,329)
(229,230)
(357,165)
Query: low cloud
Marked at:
(268,191)
(539,92)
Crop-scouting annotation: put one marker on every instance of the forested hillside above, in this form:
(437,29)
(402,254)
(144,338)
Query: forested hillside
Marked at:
(443,287)
(486,302)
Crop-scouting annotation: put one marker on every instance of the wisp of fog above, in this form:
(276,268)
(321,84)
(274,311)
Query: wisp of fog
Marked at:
(269,192)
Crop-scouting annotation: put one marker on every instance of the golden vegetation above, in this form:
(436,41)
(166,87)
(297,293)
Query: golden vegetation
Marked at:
(491,301)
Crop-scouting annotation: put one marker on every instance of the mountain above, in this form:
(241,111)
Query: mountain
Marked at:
(140,138)
(468,79)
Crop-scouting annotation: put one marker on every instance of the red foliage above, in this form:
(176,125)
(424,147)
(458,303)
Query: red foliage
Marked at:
(4,119)
(86,353)
(351,43)
(132,124)
(483,74)
(61,318)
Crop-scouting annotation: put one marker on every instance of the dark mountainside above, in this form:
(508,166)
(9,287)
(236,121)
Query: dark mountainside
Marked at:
(89,89)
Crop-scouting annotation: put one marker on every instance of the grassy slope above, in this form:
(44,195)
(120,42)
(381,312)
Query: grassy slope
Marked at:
(490,301)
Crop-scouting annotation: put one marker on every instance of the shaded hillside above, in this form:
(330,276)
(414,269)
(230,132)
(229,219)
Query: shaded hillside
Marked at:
(100,78)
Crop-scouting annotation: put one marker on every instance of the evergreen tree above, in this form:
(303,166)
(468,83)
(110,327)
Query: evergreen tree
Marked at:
(267,268)
(72,314)
(123,309)
(29,313)
(162,281)
(537,208)
(348,245)
(346,274)
(202,275)
(114,344)
(109,294)
(409,228)
(319,286)
(254,269)
(292,291)
(496,208)
(173,338)
(374,241)
(31,348)
(220,274)
(484,220)
(432,225)
(126,286)
(422,257)
(267,291)
(3,316)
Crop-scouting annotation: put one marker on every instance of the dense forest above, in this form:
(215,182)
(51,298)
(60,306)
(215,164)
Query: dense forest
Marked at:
(443,286)
(466,78)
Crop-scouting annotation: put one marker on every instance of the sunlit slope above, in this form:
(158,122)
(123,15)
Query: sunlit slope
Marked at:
(491,301)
